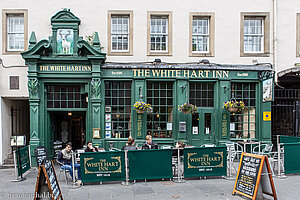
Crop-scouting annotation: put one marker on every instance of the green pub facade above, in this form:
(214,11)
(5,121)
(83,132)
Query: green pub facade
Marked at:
(76,96)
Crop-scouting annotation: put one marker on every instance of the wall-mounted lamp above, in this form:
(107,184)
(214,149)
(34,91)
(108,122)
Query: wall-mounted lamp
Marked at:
(117,115)
(69,113)
(157,115)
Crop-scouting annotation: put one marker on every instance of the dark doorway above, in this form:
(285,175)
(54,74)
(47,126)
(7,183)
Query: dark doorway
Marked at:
(69,127)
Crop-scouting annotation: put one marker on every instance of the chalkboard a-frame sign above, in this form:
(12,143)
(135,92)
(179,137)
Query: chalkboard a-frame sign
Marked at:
(253,170)
(40,154)
(47,183)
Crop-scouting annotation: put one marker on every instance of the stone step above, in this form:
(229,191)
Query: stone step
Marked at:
(9,161)
(10,156)
(7,166)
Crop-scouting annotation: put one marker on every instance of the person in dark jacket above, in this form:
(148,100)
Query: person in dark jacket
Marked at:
(65,157)
(129,145)
(149,144)
(90,147)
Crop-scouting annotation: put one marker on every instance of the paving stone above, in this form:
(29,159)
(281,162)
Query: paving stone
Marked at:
(211,188)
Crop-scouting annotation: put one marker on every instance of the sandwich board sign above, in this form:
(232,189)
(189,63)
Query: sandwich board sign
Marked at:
(254,172)
(47,184)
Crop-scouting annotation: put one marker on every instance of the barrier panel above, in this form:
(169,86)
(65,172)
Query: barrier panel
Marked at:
(150,164)
(206,161)
(292,158)
(24,156)
(102,166)
(288,139)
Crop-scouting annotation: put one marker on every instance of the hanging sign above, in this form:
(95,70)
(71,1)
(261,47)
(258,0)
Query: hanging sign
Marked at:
(253,170)
(47,184)
(268,90)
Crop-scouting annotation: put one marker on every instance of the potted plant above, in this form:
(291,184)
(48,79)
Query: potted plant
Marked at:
(187,108)
(141,107)
(234,106)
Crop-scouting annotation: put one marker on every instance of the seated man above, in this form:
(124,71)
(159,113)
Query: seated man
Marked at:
(65,157)
(149,144)
(90,147)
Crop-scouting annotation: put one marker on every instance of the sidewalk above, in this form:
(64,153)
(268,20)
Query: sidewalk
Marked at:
(211,189)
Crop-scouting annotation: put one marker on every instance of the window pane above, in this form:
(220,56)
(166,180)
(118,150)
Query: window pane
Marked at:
(15,32)
(120,33)
(158,33)
(200,34)
(120,122)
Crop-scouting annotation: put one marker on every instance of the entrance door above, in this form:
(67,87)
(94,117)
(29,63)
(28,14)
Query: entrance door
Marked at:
(69,127)
(203,127)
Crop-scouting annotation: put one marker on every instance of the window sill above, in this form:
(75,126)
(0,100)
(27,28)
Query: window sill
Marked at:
(120,54)
(201,54)
(159,54)
(5,52)
(255,55)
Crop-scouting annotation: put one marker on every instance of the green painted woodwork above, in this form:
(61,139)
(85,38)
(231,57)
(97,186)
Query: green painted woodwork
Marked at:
(150,164)
(23,153)
(288,139)
(291,158)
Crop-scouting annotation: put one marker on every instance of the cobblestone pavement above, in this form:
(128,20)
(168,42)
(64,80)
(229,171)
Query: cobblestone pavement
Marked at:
(210,188)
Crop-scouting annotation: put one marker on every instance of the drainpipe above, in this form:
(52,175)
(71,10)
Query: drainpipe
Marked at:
(275,13)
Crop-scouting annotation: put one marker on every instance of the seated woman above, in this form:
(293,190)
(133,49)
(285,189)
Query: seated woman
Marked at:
(90,147)
(129,145)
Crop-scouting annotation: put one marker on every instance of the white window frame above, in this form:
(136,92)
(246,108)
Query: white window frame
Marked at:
(160,34)
(8,20)
(199,34)
(120,34)
(254,35)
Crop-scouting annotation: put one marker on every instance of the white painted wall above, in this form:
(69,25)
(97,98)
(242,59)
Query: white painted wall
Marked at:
(287,11)
(6,128)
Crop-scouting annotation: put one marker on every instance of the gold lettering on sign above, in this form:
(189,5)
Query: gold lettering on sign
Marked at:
(164,73)
(194,74)
(103,165)
(205,160)
(147,72)
(65,68)
(186,73)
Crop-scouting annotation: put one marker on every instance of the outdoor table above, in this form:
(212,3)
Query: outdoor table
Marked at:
(250,143)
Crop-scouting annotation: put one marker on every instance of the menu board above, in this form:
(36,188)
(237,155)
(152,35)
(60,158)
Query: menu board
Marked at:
(250,175)
(47,177)
(40,154)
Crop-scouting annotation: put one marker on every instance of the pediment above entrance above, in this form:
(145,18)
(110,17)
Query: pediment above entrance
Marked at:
(65,43)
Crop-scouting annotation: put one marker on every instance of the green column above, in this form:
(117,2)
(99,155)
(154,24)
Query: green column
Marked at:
(181,97)
(222,116)
(139,128)
(96,106)
(34,103)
